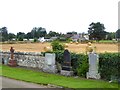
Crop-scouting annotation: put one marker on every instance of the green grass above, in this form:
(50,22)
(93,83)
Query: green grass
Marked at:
(45,78)
(107,41)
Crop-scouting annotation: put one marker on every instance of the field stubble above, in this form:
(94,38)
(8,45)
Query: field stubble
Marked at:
(78,48)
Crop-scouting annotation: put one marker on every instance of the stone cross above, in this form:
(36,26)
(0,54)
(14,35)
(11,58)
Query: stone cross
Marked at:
(12,53)
(12,62)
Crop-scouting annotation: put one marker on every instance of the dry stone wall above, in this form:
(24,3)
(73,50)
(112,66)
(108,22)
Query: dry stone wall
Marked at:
(27,59)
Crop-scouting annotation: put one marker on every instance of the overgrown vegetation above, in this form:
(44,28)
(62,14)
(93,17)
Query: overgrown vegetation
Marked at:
(56,46)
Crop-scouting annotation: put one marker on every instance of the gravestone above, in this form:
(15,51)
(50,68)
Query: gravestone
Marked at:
(49,65)
(93,66)
(12,62)
(66,66)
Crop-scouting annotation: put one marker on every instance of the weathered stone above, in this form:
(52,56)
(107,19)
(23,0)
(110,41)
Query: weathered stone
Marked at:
(49,65)
(93,66)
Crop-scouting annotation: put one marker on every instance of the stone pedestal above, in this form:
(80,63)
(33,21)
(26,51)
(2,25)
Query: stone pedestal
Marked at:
(93,75)
(66,73)
(12,63)
(50,68)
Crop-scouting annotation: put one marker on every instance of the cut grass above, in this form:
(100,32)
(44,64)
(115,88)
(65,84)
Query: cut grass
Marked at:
(45,78)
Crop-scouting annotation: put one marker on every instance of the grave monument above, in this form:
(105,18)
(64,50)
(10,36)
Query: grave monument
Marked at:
(49,65)
(12,62)
(93,64)
(66,66)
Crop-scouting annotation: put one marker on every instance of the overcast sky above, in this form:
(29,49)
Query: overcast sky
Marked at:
(58,15)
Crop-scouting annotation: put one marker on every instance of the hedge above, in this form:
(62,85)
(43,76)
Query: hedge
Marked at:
(109,64)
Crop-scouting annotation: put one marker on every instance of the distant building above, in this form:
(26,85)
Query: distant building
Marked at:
(42,39)
(75,37)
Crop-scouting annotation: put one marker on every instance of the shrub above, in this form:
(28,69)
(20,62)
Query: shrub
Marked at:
(109,65)
(35,39)
(56,46)
(20,38)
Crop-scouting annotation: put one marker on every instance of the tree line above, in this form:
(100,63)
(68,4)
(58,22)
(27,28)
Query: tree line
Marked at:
(36,32)
(96,31)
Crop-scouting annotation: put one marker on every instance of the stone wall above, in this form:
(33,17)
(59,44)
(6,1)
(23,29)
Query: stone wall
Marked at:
(27,59)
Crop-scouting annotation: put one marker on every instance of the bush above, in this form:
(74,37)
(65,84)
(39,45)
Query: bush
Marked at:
(20,38)
(35,39)
(109,65)
(56,46)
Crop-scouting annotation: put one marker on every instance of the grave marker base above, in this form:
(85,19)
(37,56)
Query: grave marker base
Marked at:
(12,63)
(66,73)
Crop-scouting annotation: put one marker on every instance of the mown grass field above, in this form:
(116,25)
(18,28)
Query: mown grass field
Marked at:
(78,48)
(45,79)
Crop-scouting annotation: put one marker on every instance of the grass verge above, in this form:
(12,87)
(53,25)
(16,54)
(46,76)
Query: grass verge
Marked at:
(45,78)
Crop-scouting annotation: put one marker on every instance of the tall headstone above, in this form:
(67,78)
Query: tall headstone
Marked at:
(12,62)
(49,65)
(66,66)
(93,66)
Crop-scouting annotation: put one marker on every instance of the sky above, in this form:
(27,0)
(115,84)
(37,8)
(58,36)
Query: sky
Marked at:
(58,15)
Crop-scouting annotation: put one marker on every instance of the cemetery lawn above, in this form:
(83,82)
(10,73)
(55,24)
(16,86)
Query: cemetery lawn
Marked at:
(45,78)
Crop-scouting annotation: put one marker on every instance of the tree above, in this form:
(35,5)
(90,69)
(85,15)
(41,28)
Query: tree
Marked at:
(118,34)
(29,35)
(20,36)
(3,34)
(96,31)
(53,34)
(38,32)
(11,36)
(110,35)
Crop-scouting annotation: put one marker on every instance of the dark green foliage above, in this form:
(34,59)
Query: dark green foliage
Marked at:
(109,65)
(3,34)
(20,38)
(11,36)
(110,36)
(79,64)
(118,34)
(35,39)
(37,32)
(96,31)
(56,46)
